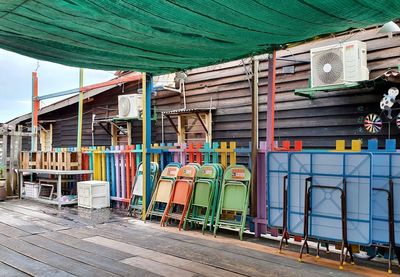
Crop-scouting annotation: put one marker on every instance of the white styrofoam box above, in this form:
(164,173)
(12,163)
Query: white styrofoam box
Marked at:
(31,189)
(94,194)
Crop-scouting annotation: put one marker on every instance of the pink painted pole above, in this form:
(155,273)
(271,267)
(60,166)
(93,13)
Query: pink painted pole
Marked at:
(122,164)
(271,100)
(260,226)
(117,174)
(261,220)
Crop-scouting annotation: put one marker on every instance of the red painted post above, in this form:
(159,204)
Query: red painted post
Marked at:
(298,145)
(133,166)
(190,150)
(286,145)
(199,153)
(128,171)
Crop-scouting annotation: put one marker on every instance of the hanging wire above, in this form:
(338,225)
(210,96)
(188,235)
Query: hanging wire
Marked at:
(37,65)
(248,74)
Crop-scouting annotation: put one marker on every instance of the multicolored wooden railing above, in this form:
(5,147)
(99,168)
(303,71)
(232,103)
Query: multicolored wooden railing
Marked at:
(118,164)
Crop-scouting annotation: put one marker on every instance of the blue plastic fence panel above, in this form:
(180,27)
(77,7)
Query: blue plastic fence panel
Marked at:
(277,169)
(330,169)
(386,167)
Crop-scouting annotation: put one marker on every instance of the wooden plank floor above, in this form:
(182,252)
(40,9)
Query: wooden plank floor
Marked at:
(39,240)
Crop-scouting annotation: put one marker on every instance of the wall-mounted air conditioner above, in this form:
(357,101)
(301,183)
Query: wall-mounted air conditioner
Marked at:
(339,64)
(129,106)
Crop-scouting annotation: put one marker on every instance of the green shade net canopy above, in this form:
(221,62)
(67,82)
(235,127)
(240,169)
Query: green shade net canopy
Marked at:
(160,36)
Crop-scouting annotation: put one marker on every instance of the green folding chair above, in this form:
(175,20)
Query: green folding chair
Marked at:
(234,197)
(135,204)
(202,197)
(217,192)
(162,191)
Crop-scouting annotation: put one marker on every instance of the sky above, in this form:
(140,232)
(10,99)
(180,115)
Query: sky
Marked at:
(16,82)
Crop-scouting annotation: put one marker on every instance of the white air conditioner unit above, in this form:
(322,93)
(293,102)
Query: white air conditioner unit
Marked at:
(339,64)
(129,105)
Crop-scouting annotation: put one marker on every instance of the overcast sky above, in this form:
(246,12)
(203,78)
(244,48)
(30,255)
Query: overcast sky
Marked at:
(16,82)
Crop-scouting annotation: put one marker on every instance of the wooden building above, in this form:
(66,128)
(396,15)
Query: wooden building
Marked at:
(224,90)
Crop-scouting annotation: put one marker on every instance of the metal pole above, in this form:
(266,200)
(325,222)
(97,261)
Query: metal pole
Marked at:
(35,111)
(271,101)
(254,138)
(146,140)
(80,112)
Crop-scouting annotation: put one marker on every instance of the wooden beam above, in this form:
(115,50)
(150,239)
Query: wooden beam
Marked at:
(105,129)
(135,77)
(202,122)
(129,131)
(254,137)
(173,124)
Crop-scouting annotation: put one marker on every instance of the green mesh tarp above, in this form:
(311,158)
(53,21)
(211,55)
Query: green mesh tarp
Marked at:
(160,36)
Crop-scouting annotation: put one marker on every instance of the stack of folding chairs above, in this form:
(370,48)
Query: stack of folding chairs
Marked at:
(162,191)
(234,198)
(205,195)
(135,204)
(178,203)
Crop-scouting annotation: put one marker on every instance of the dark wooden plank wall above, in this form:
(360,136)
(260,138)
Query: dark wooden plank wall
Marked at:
(102,105)
(319,122)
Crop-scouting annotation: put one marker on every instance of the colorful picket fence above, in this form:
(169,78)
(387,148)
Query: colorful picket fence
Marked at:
(117,164)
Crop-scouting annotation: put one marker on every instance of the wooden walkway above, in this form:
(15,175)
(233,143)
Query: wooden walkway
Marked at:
(37,240)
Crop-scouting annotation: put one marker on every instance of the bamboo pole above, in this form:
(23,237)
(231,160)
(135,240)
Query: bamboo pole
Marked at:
(80,112)
(254,138)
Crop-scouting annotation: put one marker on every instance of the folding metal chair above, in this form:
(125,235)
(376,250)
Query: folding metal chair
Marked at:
(162,191)
(205,191)
(181,193)
(234,197)
(135,204)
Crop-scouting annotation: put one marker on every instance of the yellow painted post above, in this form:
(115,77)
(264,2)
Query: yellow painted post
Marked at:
(356,145)
(224,154)
(80,112)
(95,164)
(340,145)
(156,156)
(103,163)
(232,147)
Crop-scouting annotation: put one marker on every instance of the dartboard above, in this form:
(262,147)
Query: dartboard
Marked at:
(398,121)
(373,123)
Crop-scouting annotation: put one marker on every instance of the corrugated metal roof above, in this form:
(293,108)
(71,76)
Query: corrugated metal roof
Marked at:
(61,104)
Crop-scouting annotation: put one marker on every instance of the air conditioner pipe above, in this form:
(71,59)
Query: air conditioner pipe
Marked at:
(181,90)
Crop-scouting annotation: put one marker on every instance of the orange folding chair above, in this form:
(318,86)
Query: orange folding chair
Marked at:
(163,190)
(180,197)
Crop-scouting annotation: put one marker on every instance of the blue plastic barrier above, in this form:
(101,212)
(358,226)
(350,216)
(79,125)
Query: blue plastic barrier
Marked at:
(277,169)
(331,169)
(386,168)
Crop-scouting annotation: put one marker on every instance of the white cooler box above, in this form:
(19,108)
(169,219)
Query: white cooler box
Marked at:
(94,194)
